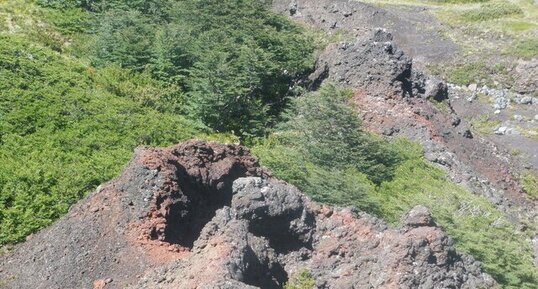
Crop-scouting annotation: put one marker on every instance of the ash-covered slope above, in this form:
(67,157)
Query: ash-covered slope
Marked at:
(205,215)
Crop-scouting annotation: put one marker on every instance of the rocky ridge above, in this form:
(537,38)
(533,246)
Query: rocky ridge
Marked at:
(206,215)
(393,97)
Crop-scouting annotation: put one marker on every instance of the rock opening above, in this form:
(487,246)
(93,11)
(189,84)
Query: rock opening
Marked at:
(263,274)
(282,232)
(195,192)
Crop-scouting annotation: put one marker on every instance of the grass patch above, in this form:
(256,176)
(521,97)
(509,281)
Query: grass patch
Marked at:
(467,73)
(520,26)
(492,10)
(484,125)
(527,48)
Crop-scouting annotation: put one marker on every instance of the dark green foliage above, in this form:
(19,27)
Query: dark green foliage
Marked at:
(235,60)
(69,20)
(322,150)
(328,131)
(63,132)
(324,184)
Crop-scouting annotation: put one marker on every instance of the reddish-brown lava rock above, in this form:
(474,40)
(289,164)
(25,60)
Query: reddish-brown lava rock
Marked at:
(271,231)
(206,215)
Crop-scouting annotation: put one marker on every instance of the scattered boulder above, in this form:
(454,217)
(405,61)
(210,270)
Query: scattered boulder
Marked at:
(501,103)
(526,73)
(518,117)
(467,134)
(472,87)
(501,130)
(293,8)
(436,89)
(526,100)
(419,216)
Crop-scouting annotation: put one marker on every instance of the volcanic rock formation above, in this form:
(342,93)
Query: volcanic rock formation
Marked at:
(206,215)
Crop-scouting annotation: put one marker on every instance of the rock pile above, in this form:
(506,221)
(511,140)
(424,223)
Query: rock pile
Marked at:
(377,67)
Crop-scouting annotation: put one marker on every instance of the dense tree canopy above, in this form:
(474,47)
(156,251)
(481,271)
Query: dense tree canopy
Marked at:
(234,61)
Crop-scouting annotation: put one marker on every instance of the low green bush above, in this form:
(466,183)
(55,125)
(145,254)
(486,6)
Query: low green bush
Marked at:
(324,184)
(324,128)
(529,180)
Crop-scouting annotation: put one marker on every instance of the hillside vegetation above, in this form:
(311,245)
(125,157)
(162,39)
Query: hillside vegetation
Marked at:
(82,83)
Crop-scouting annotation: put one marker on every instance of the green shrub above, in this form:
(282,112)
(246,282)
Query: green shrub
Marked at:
(323,127)
(124,38)
(484,125)
(328,185)
(68,21)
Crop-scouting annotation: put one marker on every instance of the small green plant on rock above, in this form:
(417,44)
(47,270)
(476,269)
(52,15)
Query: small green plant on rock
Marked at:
(302,280)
